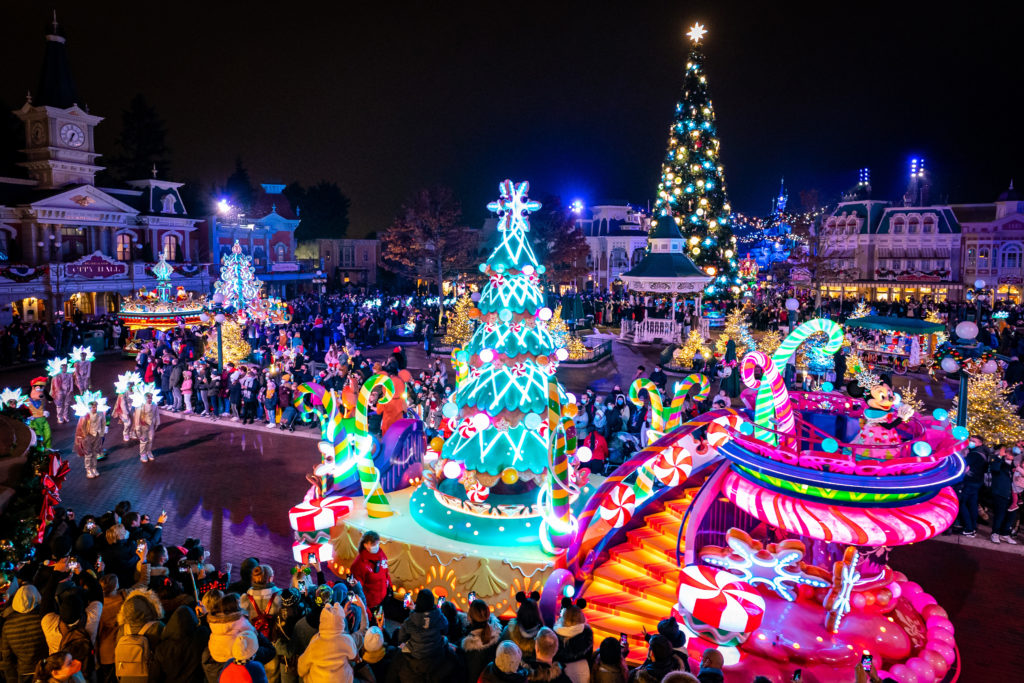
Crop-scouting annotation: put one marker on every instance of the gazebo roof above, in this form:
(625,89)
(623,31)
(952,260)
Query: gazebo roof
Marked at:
(665,272)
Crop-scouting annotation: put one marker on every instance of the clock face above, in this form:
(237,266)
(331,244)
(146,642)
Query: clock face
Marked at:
(72,135)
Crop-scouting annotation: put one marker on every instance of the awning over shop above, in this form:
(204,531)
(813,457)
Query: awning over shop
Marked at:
(906,325)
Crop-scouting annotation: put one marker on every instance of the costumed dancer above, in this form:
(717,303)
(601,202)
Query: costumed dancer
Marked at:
(38,412)
(89,437)
(146,420)
(124,412)
(881,417)
(83,372)
(62,386)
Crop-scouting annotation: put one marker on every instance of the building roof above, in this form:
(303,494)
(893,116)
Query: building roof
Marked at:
(56,86)
(870,212)
(1010,195)
(665,265)
(975,213)
(946,222)
(666,229)
(265,203)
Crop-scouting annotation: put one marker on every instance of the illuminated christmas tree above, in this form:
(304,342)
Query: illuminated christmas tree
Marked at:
(738,329)
(990,414)
(769,342)
(683,356)
(236,349)
(460,325)
(500,440)
(692,188)
(563,337)
(238,283)
(862,311)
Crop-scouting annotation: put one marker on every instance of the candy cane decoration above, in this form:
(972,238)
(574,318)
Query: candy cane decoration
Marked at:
(369,476)
(557,523)
(772,407)
(314,400)
(654,394)
(798,336)
(682,388)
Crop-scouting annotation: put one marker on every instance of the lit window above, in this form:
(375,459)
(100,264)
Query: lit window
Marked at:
(170,248)
(124,247)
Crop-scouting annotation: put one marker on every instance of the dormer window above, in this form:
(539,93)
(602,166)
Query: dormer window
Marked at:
(928,225)
(897,225)
(913,226)
(168,201)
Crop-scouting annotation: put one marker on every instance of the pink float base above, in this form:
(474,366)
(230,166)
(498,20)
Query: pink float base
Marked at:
(792,636)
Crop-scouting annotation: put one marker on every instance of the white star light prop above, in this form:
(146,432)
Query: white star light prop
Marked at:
(8,395)
(696,32)
(53,365)
(126,378)
(138,396)
(82,401)
(76,354)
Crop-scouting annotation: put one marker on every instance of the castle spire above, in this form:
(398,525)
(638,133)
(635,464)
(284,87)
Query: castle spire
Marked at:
(56,87)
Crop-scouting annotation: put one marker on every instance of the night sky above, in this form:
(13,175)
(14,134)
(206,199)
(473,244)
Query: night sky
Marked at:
(575,97)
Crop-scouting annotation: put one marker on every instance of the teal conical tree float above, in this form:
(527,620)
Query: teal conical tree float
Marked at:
(498,454)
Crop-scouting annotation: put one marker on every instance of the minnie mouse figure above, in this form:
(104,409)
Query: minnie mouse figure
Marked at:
(883,414)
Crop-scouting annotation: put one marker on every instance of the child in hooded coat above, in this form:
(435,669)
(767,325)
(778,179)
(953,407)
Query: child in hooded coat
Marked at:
(575,643)
(328,657)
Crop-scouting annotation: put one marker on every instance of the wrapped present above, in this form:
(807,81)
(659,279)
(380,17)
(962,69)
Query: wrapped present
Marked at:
(324,552)
(319,513)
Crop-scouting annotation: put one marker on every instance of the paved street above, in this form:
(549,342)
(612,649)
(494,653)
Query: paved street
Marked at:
(232,488)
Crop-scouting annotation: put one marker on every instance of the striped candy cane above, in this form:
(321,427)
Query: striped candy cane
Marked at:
(682,388)
(772,408)
(657,404)
(369,476)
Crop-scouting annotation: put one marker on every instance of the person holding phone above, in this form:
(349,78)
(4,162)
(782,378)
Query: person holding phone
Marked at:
(370,568)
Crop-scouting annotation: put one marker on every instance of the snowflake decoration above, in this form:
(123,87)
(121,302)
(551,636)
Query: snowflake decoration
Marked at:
(126,378)
(8,395)
(513,205)
(138,396)
(779,566)
(82,401)
(53,366)
(76,354)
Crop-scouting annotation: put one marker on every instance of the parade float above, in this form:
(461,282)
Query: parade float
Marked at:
(763,531)
(162,308)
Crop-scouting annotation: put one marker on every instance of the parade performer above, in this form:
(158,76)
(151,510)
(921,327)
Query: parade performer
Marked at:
(38,413)
(124,412)
(62,386)
(882,415)
(89,437)
(145,422)
(83,372)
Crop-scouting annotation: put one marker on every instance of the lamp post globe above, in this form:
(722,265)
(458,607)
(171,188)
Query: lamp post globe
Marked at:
(967,330)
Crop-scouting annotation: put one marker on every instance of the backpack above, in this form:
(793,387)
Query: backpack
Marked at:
(132,654)
(262,622)
(78,644)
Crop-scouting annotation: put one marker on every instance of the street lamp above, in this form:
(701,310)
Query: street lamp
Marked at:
(966,332)
(216,306)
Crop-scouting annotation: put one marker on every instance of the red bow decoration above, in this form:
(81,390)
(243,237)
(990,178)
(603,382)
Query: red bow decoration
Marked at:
(56,471)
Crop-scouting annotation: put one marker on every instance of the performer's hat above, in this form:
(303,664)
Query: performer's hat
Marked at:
(38,382)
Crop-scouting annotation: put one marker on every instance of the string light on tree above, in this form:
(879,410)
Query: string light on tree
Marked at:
(684,355)
(238,283)
(460,324)
(692,190)
(736,328)
(990,414)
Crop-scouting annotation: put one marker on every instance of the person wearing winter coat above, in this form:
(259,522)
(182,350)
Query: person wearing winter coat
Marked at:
(106,634)
(328,658)
(545,669)
(575,642)
(506,667)
(179,656)
(377,654)
(22,643)
(243,667)
(481,642)
(262,604)
(226,622)
(660,661)
(609,666)
(59,668)
(140,614)
(370,567)
(424,654)
(524,628)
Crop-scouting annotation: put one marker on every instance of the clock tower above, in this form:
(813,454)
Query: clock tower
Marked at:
(58,133)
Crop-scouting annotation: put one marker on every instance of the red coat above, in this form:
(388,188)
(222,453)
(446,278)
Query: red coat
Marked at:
(367,570)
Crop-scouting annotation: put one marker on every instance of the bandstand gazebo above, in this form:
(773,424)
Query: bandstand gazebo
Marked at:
(664,271)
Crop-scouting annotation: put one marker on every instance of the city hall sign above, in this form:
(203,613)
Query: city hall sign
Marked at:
(95,265)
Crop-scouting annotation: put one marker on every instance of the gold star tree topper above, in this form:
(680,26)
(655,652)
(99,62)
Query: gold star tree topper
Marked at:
(696,32)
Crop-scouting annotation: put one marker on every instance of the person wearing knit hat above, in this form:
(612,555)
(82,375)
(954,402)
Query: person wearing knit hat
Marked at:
(243,668)
(377,653)
(22,643)
(38,413)
(506,667)
(524,628)
(669,628)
